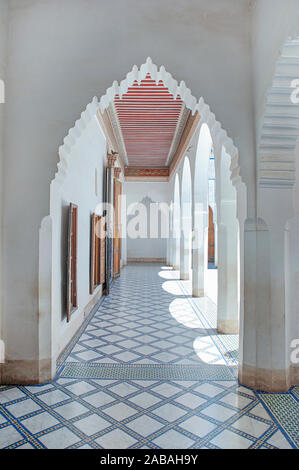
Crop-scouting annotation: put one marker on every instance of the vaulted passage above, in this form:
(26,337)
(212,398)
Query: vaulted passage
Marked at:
(146,370)
(149,286)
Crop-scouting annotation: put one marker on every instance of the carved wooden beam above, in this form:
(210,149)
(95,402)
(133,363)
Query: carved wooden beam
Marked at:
(146,174)
(117,172)
(111,159)
(188,132)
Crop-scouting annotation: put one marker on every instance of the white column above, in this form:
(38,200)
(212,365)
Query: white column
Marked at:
(228,286)
(264,350)
(199,256)
(176,237)
(185,255)
(169,261)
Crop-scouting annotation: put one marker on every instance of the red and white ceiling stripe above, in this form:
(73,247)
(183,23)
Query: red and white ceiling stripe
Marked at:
(148,112)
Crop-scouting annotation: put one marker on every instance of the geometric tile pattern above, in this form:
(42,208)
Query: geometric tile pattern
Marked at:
(148,323)
(285,408)
(147,372)
(72,413)
(152,319)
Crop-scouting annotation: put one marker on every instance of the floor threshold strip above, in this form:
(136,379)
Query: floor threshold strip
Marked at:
(144,371)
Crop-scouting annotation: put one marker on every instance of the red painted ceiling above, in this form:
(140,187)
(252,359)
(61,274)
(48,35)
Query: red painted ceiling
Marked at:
(148,116)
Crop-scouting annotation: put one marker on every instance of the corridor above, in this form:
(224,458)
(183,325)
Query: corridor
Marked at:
(148,370)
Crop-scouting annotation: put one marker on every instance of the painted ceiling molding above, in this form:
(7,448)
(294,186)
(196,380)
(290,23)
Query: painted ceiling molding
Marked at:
(280,129)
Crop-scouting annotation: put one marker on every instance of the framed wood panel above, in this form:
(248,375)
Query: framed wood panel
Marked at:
(92,252)
(97,252)
(72,301)
(102,249)
(117,228)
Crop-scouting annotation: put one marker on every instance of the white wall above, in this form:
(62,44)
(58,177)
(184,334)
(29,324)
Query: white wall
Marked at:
(3,64)
(87,156)
(63,52)
(135,193)
(273,22)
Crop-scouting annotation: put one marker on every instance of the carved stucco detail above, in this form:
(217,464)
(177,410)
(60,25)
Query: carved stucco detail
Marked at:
(280,128)
(206,116)
(220,139)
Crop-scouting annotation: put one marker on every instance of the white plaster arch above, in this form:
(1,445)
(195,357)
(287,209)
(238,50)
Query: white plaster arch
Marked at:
(139,74)
(219,136)
(64,151)
(230,278)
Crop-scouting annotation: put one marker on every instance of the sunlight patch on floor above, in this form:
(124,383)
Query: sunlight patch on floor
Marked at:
(182,312)
(207,351)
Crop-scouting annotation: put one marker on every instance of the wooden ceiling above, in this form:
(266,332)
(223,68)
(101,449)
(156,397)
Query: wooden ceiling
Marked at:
(148,116)
(148,119)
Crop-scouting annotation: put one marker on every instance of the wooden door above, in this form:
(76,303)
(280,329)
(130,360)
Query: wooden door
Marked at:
(211,242)
(72,302)
(117,229)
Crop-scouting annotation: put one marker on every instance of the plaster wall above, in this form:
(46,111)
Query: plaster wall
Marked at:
(83,186)
(3,64)
(136,193)
(61,53)
(273,21)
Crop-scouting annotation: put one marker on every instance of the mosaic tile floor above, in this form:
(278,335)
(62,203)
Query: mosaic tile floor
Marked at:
(148,370)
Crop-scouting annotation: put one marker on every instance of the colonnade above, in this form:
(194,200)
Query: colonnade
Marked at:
(188,241)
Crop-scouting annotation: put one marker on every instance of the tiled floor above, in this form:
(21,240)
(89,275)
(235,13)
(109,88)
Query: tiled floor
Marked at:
(148,370)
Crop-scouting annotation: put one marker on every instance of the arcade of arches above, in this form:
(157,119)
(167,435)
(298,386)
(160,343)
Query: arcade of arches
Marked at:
(166,282)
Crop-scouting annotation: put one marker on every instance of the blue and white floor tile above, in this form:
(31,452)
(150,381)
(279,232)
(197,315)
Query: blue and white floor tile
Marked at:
(117,384)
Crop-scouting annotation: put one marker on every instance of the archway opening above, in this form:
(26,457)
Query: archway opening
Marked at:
(216,272)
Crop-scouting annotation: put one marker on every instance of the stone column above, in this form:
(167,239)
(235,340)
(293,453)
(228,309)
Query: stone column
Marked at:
(228,286)
(169,260)
(176,238)
(264,351)
(199,258)
(185,253)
